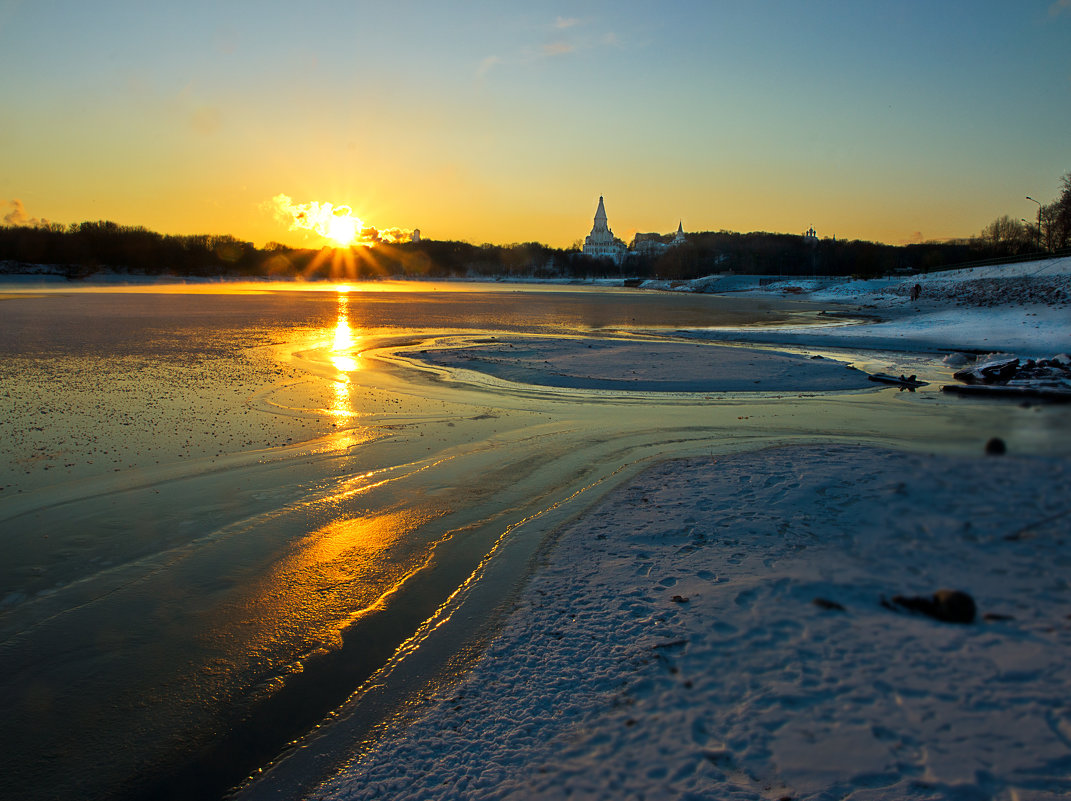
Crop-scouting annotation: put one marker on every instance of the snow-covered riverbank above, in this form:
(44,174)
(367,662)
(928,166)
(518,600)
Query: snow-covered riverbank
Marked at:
(715,629)
(1022,308)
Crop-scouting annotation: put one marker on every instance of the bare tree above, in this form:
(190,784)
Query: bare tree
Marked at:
(1049,216)
(1007,234)
(1061,224)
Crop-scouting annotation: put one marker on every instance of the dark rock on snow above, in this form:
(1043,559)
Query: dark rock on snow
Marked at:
(996,617)
(995,447)
(950,606)
(1001,375)
(988,372)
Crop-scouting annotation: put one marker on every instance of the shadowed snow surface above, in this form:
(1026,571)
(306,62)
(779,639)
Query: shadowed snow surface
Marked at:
(648,366)
(670,647)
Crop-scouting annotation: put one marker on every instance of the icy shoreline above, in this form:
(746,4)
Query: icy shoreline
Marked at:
(533,735)
(671,645)
(1023,308)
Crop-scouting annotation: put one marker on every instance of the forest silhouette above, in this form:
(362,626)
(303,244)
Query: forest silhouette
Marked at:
(81,250)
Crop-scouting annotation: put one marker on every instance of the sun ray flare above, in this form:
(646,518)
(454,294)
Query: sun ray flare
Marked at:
(335,223)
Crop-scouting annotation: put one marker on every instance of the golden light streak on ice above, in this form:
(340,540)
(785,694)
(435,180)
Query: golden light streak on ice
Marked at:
(343,342)
(342,357)
(329,578)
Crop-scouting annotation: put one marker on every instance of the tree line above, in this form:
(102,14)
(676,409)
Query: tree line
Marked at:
(1049,231)
(83,249)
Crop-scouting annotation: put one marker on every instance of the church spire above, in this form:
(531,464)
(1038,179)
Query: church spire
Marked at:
(601,242)
(600,218)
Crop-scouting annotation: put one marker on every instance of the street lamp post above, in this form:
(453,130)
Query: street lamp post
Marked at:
(1039,219)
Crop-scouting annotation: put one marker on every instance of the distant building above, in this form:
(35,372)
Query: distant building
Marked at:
(601,242)
(810,235)
(648,245)
(416,235)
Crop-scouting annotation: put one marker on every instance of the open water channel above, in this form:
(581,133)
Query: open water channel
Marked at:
(230,514)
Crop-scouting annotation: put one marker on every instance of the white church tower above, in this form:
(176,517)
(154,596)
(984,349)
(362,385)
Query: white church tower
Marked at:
(601,242)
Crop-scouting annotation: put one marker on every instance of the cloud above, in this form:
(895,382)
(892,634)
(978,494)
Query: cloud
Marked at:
(388,236)
(333,222)
(557,48)
(1059,7)
(566,42)
(486,65)
(18,217)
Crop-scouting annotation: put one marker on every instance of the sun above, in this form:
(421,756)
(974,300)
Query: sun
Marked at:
(337,224)
(343,229)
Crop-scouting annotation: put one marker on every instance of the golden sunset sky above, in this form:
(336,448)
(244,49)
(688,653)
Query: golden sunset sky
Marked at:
(504,122)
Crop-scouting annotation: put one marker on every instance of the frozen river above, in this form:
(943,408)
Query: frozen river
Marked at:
(223,510)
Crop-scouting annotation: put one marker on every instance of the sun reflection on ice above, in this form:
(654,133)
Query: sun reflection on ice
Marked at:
(343,358)
(329,578)
(344,341)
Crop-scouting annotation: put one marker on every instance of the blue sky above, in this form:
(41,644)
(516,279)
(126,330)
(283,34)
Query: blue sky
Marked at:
(505,122)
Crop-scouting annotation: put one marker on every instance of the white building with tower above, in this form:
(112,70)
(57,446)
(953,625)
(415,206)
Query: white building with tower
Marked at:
(601,242)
